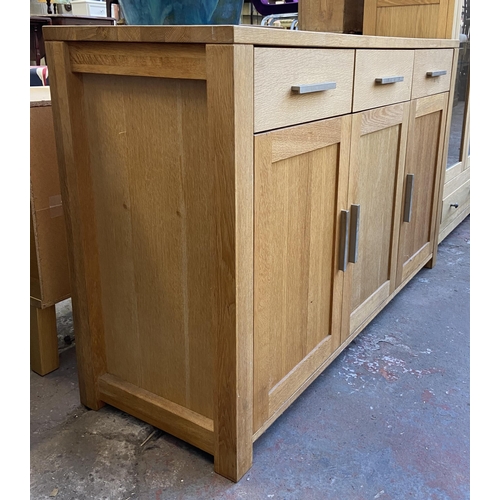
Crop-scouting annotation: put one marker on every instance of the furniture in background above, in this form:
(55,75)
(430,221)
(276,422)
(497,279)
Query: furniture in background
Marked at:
(49,273)
(37,46)
(395,18)
(409,18)
(77,8)
(456,187)
(238,211)
(249,15)
(93,8)
(110,4)
(447,19)
(273,12)
(334,16)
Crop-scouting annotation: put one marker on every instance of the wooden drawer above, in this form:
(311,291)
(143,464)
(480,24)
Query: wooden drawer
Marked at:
(277,70)
(375,70)
(431,72)
(460,197)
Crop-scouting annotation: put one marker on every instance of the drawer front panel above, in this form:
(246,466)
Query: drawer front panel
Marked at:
(455,204)
(382,77)
(295,86)
(431,72)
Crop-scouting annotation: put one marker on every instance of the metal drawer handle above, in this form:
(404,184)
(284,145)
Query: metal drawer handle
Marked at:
(344,239)
(408,197)
(354,233)
(433,74)
(454,205)
(313,87)
(389,79)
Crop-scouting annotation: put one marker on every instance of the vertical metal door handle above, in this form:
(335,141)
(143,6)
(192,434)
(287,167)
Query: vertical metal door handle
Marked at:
(354,233)
(408,197)
(344,239)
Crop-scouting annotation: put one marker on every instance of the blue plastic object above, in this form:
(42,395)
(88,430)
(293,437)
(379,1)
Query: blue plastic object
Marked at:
(185,12)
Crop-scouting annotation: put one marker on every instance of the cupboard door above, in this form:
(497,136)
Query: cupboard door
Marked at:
(420,203)
(378,147)
(300,189)
(408,18)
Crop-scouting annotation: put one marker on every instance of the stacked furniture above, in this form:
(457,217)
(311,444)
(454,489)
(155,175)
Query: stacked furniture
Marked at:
(37,47)
(240,203)
(49,268)
(49,271)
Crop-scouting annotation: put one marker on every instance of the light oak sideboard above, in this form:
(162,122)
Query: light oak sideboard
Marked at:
(241,202)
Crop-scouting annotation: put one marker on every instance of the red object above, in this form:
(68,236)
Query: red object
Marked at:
(39,76)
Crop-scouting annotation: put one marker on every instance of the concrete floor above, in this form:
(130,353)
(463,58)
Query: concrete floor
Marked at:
(388,419)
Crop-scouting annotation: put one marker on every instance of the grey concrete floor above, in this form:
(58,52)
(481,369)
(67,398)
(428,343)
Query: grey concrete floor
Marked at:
(388,419)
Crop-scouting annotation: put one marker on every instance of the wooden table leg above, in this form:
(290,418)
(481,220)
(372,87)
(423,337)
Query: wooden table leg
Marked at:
(44,355)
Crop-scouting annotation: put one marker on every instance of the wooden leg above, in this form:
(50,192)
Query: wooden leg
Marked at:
(75,175)
(431,262)
(44,356)
(229,72)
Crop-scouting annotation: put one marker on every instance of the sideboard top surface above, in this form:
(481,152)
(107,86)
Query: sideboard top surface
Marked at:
(251,35)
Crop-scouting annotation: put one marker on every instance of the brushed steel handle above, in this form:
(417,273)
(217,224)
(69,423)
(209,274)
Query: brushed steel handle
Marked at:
(408,197)
(354,233)
(389,79)
(344,239)
(454,205)
(313,87)
(434,74)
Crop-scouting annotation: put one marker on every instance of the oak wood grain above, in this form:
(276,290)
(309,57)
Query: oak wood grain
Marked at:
(147,59)
(431,60)
(373,64)
(162,413)
(252,35)
(423,160)
(230,118)
(77,195)
(322,15)
(206,258)
(298,288)
(409,18)
(277,70)
(378,149)
(156,242)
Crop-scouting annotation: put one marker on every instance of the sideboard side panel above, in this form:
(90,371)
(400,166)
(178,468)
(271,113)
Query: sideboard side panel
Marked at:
(77,196)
